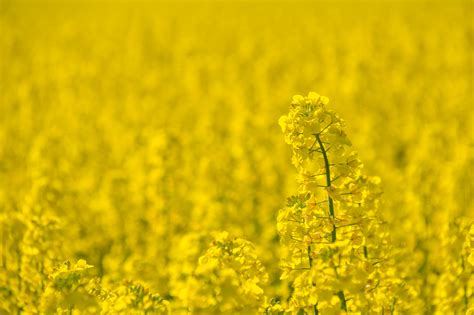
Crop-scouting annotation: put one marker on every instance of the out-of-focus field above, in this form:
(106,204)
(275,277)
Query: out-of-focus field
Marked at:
(130,133)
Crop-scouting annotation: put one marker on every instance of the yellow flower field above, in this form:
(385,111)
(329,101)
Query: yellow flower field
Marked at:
(236,157)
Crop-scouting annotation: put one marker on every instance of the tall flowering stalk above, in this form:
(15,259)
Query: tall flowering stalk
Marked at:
(337,249)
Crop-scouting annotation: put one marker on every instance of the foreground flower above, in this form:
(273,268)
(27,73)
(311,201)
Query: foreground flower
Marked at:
(337,248)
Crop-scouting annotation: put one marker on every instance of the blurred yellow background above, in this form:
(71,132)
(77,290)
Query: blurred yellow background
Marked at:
(130,131)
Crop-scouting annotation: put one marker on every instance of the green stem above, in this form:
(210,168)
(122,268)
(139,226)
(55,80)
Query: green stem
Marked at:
(328,184)
(342,298)
(309,257)
(392,307)
(340,294)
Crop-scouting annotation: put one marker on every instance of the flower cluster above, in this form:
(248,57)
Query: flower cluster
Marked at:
(67,289)
(338,249)
(70,288)
(233,276)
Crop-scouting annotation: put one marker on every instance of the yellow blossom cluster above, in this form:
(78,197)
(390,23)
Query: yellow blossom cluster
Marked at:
(338,249)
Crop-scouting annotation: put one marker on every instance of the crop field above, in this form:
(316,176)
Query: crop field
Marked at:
(236,157)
